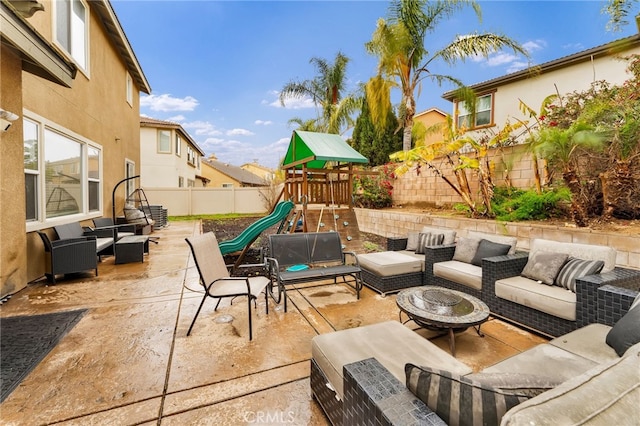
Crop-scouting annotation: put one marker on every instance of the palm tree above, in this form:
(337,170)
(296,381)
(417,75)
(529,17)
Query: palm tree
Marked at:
(405,61)
(326,90)
(618,10)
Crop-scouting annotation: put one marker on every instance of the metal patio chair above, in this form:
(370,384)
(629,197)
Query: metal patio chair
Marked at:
(215,278)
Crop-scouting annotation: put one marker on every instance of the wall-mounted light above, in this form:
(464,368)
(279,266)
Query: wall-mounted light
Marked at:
(6,118)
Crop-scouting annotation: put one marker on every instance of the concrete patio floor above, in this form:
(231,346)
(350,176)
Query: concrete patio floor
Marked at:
(129,361)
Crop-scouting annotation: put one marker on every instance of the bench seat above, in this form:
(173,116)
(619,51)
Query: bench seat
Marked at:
(553,300)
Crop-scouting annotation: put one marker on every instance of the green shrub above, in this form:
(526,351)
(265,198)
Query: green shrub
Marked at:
(511,204)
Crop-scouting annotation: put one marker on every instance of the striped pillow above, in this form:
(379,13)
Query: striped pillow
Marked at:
(577,268)
(458,400)
(427,239)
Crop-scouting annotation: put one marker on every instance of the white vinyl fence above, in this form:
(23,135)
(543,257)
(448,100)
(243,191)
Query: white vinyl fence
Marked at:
(198,201)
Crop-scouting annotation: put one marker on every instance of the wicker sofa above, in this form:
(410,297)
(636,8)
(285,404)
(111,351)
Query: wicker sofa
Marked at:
(382,374)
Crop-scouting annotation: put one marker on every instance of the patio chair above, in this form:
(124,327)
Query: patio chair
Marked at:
(216,280)
(69,255)
(121,230)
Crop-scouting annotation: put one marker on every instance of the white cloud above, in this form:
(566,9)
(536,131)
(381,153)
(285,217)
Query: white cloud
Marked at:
(237,153)
(263,122)
(166,102)
(289,103)
(574,47)
(239,132)
(534,45)
(202,128)
(177,118)
(517,66)
(501,59)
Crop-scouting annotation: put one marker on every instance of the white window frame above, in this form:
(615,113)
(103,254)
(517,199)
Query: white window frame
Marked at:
(227,185)
(178,145)
(41,221)
(462,113)
(78,49)
(158,144)
(129,89)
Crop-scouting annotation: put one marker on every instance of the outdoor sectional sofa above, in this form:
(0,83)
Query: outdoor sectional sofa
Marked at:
(548,308)
(387,374)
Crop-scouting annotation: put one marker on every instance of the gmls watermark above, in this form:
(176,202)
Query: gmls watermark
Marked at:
(269,417)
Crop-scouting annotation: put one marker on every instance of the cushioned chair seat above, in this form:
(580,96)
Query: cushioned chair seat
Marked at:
(103,243)
(554,300)
(389,263)
(588,342)
(606,395)
(391,343)
(459,272)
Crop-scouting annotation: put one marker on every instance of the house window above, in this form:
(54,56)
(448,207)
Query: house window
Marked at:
(71,29)
(129,89)
(191,156)
(31,168)
(180,182)
(483,115)
(178,145)
(227,185)
(62,172)
(164,141)
(191,183)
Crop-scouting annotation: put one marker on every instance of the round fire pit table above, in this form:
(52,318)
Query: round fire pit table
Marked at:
(442,309)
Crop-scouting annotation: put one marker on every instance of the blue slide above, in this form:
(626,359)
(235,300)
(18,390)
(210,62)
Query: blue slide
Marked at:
(252,232)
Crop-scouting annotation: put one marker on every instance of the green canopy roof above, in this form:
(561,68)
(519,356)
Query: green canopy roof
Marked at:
(316,149)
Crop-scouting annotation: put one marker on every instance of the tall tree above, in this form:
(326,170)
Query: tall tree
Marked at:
(375,144)
(405,60)
(327,91)
(618,10)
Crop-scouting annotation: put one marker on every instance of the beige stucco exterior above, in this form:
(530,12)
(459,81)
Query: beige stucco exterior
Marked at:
(429,118)
(264,172)
(94,110)
(217,179)
(168,169)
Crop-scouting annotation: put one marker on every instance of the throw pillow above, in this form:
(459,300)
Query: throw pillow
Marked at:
(427,240)
(458,400)
(527,384)
(412,241)
(577,268)
(465,249)
(488,248)
(626,332)
(544,266)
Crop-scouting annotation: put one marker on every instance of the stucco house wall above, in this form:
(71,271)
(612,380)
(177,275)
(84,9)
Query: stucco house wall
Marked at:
(217,178)
(93,111)
(572,73)
(164,169)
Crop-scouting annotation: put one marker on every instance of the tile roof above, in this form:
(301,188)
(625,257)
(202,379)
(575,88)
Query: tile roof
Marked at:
(235,172)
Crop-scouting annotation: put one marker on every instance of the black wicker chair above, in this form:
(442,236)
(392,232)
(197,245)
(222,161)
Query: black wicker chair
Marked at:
(123,230)
(69,255)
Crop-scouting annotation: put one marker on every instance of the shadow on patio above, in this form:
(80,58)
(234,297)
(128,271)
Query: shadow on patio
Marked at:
(128,360)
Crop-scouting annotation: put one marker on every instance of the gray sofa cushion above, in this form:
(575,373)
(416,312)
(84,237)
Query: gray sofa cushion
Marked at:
(577,268)
(553,300)
(526,384)
(428,239)
(502,239)
(607,394)
(389,263)
(459,272)
(488,248)
(544,266)
(626,332)
(412,241)
(390,342)
(587,342)
(449,234)
(580,251)
(459,400)
(466,249)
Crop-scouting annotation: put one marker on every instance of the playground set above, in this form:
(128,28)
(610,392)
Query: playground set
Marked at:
(317,193)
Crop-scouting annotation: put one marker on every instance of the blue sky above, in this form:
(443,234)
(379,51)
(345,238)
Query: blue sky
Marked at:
(216,67)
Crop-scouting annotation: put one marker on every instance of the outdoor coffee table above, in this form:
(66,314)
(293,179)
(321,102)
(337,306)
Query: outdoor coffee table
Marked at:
(441,309)
(131,249)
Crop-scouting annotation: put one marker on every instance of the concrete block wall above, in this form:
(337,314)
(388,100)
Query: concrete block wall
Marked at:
(396,223)
(427,188)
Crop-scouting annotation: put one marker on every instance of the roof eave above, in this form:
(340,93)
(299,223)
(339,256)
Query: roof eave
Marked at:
(37,54)
(586,55)
(115,31)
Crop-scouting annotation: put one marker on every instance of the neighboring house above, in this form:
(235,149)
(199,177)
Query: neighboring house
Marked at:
(429,118)
(169,157)
(224,175)
(261,171)
(499,98)
(73,94)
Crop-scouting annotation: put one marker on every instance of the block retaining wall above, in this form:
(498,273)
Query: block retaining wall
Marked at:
(395,223)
